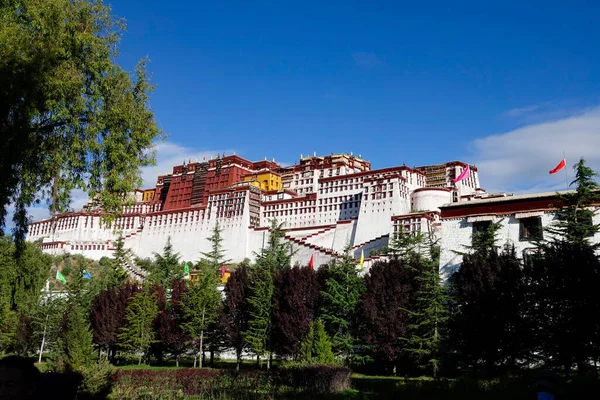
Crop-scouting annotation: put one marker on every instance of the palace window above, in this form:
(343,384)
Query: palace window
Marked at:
(530,229)
(480,227)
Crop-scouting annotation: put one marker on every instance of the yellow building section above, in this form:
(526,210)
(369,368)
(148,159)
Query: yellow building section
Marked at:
(148,195)
(265,180)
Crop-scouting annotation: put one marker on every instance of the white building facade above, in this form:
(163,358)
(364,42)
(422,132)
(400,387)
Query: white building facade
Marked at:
(326,205)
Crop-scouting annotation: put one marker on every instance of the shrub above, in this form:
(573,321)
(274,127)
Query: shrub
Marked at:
(97,380)
(315,378)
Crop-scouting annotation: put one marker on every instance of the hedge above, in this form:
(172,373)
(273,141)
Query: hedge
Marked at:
(315,378)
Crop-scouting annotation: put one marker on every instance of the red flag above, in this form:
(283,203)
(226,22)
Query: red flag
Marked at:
(222,270)
(560,166)
(311,263)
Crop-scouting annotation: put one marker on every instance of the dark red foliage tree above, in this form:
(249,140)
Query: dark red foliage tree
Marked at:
(234,319)
(169,323)
(487,326)
(108,315)
(294,307)
(391,287)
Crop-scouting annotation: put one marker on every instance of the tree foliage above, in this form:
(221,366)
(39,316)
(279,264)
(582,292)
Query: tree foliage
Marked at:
(343,291)
(428,315)
(389,293)
(235,317)
(315,348)
(166,267)
(70,116)
(295,302)
(487,312)
(215,258)
(201,303)
(170,324)
(138,335)
(108,315)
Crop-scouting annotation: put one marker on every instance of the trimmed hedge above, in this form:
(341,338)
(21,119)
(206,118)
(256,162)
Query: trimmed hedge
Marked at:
(182,383)
(319,379)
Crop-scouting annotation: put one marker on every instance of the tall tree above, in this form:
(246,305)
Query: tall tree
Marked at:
(108,316)
(294,308)
(120,260)
(166,267)
(215,258)
(235,315)
(171,321)
(389,293)
(137,335)
(78,339)
(562,279)
(201,303)
(70,116)
(487,326)
(429,314)
(260,307)
(341,297)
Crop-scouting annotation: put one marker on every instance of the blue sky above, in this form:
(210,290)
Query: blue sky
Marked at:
(500,83)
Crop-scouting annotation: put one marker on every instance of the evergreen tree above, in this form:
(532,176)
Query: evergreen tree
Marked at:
(119,264)
(166,267)
(137,335)
(269,262)
(257,336)
(277,254)
(215,258)
(575,217)
(316,346)
(78,339)
(201,303)
(429,314)
(562,280)
(234,321)
(341,297)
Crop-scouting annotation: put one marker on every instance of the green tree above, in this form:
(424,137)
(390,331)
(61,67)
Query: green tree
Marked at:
(137,335)
(201,304)
(166,267)
(316,347)
(343,290)
(78,339)
(562,279)
(277,254)
(215,258)
(119,262)
(272,259)
(429,315)
(260,306)
(21,282)
(575,217)
(70,117)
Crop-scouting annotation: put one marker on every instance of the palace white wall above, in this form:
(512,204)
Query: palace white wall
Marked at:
(456,235)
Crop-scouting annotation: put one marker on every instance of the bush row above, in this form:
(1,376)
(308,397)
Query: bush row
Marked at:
(208,383)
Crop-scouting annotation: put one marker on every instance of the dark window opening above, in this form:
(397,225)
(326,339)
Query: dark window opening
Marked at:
(531,229)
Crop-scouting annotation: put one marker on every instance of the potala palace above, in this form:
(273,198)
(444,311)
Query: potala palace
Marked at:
(325,203)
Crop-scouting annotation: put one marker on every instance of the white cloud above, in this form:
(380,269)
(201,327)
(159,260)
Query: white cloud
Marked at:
(520,160)
(517,112)
(366,60)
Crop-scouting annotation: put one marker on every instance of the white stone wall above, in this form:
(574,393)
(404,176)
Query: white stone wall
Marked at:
(456,235)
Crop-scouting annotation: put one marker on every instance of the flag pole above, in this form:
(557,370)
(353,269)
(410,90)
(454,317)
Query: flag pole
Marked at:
(566,172)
